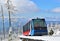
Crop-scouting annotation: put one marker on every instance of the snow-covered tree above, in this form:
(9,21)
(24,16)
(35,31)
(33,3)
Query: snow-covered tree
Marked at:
(11,9)
(10,34)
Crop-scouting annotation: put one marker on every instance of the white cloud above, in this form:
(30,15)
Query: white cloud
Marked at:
(57,0)
(25,6)
(57,10)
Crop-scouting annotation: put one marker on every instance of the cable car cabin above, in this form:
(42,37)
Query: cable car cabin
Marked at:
(35,27)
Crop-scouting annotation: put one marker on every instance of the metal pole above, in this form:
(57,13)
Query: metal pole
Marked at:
(3,21)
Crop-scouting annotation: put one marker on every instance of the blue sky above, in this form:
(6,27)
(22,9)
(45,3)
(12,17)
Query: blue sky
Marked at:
(47,6)
(27,9)
(35,8)
(43,8)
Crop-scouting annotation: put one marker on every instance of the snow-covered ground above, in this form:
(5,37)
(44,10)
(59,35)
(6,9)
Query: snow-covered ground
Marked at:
(45,38)
(14,38)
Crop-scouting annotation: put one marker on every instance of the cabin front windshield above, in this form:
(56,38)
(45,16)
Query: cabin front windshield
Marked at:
(39,23)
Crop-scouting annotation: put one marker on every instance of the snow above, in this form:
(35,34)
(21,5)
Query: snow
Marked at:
(57,33)
(12,40)
(15,37)
(46,38)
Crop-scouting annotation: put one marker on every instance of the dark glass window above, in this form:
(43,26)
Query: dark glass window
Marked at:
(26,27)
(39,23)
